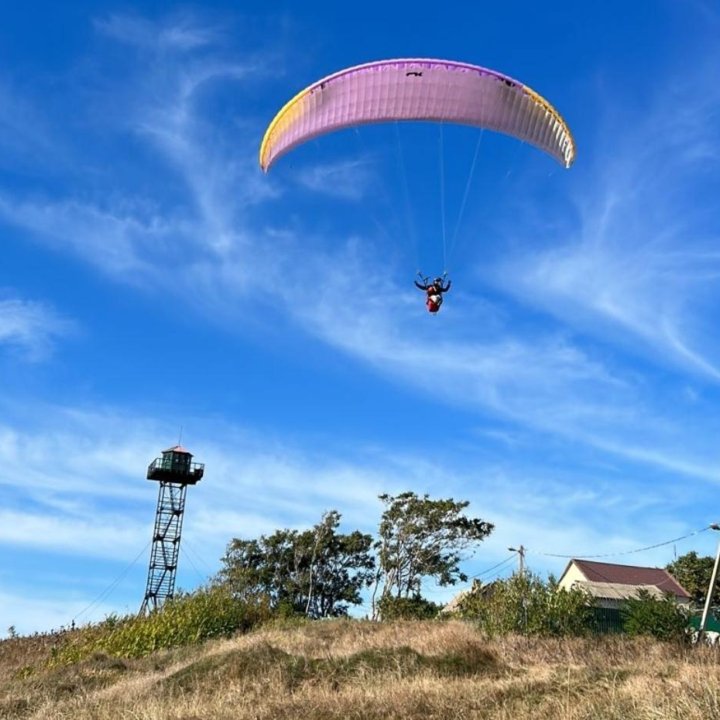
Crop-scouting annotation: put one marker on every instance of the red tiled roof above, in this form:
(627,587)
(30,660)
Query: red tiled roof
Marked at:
(178,449)
(630,575)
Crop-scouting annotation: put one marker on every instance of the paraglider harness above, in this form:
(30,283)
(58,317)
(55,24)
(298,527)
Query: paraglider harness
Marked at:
(434,291)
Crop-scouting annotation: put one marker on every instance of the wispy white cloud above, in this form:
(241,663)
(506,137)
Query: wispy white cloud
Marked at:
(75,490)
(254,485)
(113,241)
(346,179)
(26,134)
(625,271)
(643,262)
(573,512)
(207,174)
(74,487)
(31,328)
(27,614)
(182,32)
(639,265)
(105,537)
(546,380)
(74,482)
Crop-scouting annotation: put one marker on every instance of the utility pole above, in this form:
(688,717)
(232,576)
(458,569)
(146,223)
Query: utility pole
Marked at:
(708,599)
(520,550)
(521,558)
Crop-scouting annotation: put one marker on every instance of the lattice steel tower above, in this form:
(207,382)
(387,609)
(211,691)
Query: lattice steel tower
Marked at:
(175,470)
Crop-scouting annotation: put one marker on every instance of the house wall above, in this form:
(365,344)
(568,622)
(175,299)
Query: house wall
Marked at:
(572,575)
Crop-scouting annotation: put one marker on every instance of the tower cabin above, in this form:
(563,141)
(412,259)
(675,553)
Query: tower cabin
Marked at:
(176,466)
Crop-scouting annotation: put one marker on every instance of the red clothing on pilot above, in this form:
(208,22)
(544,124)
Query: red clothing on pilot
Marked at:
(434,292)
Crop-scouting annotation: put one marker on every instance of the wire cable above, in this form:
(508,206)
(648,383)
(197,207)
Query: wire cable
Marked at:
(189,548)
(494,567)
(194,566)
(114,584)
(625,552)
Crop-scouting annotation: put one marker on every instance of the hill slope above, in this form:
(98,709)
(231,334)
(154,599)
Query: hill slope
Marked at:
(358,669)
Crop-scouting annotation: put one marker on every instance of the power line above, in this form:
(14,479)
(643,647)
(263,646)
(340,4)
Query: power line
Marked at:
(625,552)
(187,550)
(184,553)
(490,569)
(114,584)
(198,557)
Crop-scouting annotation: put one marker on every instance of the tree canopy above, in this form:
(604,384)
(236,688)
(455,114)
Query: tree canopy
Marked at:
(693,572)
(423,538)
(317,572)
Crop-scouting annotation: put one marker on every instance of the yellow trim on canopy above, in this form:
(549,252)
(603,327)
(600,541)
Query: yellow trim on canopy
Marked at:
(286,109)
(556,115)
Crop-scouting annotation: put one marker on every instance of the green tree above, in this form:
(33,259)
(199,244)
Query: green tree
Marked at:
(340,566)
(266,567)
(317,572)
(662,618)
(693,573)
(422,538)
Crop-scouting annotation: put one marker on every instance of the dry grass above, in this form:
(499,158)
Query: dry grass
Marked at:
(355,669)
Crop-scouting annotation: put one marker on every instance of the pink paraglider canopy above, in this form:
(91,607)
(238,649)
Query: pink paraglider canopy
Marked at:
(418,89)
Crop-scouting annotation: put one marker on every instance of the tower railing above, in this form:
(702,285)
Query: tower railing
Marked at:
(189,473)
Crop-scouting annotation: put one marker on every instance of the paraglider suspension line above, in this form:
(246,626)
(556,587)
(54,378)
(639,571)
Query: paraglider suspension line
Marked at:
(406,194)
(442,196)
(466,194)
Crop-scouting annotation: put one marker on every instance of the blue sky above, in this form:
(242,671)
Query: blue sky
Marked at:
(153,279)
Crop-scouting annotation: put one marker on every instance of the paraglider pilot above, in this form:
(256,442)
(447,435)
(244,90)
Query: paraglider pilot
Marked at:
(434,290)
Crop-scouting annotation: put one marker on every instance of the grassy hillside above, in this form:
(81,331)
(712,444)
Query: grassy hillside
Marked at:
(358,669)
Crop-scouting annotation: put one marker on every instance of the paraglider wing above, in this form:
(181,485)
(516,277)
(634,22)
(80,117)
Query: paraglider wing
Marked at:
(418,89)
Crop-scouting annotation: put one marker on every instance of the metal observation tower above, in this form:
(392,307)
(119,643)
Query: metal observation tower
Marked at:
(175,470)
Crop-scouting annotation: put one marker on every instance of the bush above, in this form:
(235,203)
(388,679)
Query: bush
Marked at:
(662,619)
(411,608)
(526,604)
(185,620)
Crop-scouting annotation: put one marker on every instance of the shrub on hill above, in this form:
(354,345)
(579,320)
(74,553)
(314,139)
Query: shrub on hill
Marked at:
(407,608)
(662,618)
(528,605)
(185,620)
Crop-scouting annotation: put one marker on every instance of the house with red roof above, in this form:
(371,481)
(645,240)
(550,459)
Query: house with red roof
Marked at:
(612,584)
